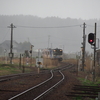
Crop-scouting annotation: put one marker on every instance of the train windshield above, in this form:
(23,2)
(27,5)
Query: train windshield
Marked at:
(57,51)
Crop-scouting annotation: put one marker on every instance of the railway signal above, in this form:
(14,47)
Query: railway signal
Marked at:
(92,41)
(91,38)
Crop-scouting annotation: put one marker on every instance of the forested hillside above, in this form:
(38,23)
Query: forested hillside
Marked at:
(47,32)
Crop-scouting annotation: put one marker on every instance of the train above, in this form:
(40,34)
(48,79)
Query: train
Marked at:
(53,53)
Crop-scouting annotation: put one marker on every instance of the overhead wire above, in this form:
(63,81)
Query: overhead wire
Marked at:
(3,26)
(47,27)
(93,25)
(4,36)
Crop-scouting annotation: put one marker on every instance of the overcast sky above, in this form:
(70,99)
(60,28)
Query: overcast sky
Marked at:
(84,9)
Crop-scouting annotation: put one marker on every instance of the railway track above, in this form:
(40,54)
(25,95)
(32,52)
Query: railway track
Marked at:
(41,89)
(18,85)
(84,91)
(28,89)
(15,76)
(10,77)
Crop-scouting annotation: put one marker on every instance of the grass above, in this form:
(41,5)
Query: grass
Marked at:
(11,69)
(78,98)
(6,70)
(88,82)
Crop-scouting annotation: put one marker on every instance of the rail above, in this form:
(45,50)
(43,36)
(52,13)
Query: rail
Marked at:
(32,87)
(46,91)
(63,77)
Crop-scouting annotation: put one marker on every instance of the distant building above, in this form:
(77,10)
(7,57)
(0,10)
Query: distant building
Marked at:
(17,47)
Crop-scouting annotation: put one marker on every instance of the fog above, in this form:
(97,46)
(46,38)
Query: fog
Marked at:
(52,32)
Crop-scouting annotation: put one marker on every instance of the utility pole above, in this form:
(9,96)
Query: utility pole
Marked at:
(94,51)
(23,64)
(63,48)
(83,48)
(38,54)
(48,40)
(20,61)
(51,45)
(38,62)
(11,44)
(31,51)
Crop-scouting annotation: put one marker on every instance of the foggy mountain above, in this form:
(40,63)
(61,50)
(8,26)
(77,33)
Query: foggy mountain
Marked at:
(52,32)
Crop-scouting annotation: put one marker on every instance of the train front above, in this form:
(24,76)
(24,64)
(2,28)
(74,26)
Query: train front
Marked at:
(57,54)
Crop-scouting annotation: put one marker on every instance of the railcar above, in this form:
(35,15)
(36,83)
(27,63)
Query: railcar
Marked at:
(53,53)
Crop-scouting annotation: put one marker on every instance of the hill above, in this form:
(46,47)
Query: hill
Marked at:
(47,32)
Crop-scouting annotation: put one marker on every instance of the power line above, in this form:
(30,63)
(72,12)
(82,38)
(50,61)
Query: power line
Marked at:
(3,27)
(48,27)
(90,25)
(4,36)
(93,26)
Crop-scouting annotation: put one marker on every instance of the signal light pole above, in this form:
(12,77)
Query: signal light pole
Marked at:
(92,41)
(94,52)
